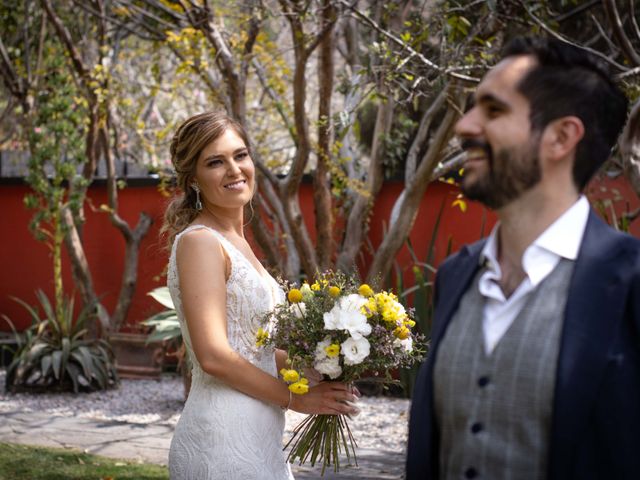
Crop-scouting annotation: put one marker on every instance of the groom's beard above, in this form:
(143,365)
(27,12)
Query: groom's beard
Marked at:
(511,172)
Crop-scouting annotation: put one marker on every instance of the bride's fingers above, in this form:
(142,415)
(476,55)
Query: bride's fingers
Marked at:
(355,409)
(342,396)
(341,408)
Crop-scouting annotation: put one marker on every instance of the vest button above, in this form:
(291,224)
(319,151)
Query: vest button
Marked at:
(476,427)
(470,473)
(483,381)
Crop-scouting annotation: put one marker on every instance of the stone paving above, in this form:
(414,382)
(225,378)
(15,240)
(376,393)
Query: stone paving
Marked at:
(150,443)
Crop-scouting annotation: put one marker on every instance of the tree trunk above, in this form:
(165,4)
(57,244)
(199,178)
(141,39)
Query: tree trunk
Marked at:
(82,275)
(398,232)
(321,181)
(357,222)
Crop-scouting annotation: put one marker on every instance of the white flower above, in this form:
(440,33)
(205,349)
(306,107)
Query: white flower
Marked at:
(356,324)
(407,343)
(355,350)
(298,309)
(321,353)
(347,314)
(329,366)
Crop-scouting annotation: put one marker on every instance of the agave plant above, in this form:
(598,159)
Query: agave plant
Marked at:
(54,353)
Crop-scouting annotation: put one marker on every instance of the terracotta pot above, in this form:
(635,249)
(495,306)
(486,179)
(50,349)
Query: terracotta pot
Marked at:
(135,358)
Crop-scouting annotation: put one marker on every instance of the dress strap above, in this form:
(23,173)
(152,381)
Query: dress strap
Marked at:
(225,243)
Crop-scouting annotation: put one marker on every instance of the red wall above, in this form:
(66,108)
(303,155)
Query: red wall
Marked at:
(25,264)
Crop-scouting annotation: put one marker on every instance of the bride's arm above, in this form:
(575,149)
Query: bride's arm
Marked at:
(281,359)
(201,271)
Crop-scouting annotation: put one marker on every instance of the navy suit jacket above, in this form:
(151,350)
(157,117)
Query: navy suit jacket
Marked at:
(595,429)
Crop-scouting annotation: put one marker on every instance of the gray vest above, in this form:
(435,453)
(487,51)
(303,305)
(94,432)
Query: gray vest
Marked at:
(494,412)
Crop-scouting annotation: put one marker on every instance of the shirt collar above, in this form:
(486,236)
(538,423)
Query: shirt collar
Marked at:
(561,239)
(564,236)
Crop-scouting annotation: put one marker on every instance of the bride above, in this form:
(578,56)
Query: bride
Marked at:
(233,420)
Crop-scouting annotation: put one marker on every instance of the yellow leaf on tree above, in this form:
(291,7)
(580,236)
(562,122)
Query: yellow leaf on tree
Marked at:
(460,203)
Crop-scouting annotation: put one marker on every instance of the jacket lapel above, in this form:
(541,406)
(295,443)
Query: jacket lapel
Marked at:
(453,287)
(594,303)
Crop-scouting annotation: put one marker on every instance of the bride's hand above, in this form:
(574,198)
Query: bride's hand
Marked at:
(314,376)
(327,398)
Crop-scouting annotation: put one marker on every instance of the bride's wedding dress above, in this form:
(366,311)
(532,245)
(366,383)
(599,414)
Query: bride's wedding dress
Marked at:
(223,433)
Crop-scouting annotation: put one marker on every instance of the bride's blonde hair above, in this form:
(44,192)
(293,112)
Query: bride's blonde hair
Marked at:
(187,144)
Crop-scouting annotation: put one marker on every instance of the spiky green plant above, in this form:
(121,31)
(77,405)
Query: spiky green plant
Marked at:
(54,353)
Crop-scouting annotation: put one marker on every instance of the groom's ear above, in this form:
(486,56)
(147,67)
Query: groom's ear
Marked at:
(561,137)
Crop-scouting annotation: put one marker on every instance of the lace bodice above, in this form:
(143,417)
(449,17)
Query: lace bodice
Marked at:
(223,433)
(250,295)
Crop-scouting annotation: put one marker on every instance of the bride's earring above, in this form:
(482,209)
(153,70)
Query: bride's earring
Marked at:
(196,188)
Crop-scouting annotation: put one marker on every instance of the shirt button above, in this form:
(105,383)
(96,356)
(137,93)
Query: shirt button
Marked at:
(483,381)
(470,473)
(476,427)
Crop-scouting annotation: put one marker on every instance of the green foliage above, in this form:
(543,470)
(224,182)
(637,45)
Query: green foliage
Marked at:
(25,462)
(397,143)
(54,354)
(166,327)
(424,275)
(56,144)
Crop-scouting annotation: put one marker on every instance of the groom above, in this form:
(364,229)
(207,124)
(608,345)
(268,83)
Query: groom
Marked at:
(534,368)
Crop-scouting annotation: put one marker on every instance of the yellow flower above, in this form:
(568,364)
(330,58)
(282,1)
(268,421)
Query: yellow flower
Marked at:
(261,337)
(289,376)
(315,286)
(334,291)
(402,332)
(371,308)
(294,295)
(300,388)
(365,290)
(332,350)
(410,323)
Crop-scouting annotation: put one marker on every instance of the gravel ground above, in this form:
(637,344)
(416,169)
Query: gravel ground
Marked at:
(382,424)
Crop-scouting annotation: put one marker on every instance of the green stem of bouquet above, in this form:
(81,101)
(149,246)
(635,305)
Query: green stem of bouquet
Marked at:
(322,437)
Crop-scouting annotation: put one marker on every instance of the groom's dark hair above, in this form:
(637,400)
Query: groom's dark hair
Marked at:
(570,81)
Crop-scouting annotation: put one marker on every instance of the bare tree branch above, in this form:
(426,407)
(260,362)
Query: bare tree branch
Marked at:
(398,232)
(278,102)
(628,73)
(8,73)
(449,166)
(447,71)
(562,38)
(634,22)
(224,59)
(576,11)
(255,24)
(268,244)
(356,225)
(618,32)
(65,37)
(421,134)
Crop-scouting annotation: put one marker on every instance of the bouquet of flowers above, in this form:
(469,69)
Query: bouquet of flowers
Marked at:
(343,330)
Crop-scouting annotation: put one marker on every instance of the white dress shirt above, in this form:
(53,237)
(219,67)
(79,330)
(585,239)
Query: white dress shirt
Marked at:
(561,239)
